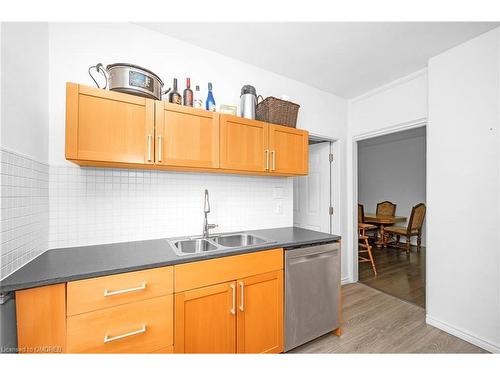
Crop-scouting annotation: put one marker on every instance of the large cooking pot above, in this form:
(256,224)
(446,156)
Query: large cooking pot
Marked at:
(130,79)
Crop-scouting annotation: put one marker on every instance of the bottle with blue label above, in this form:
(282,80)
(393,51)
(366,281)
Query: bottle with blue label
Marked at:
(210,103)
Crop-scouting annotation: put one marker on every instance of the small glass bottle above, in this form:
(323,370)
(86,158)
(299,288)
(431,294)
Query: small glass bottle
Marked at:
(187,97)
(174,96)
(210,103)
(198,101)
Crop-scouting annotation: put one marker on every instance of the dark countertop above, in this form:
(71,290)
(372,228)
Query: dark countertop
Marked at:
(76,263)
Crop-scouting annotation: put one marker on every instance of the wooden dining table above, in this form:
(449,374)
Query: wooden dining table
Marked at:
(382,221)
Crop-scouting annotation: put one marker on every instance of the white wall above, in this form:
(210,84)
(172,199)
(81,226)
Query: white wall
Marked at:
(24,144)
(463,258)
(392,167)
(398,102)
(76,46)
(392,106)
(24,88)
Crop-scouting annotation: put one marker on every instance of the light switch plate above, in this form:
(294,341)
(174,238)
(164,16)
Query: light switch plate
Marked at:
(277,192)
(279,208)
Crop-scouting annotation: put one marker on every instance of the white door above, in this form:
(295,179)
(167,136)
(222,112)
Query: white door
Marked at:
(311,193)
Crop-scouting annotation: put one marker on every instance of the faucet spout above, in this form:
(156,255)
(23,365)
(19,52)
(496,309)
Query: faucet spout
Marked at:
(206,211)
(206,206)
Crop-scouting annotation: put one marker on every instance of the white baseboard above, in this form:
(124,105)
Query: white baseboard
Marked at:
(345,280)
(463,334)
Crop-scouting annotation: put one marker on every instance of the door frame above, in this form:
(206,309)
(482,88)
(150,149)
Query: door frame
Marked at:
(335,178)
(361,137)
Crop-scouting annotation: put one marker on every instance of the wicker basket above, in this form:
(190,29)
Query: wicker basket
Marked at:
(277,111)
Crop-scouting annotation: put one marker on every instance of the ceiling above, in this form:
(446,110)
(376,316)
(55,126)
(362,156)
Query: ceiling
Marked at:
(344,58)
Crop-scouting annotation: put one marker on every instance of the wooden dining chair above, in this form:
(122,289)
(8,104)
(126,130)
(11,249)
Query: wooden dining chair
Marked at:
(365,247)
(367,228)
(386,208)
(414,228)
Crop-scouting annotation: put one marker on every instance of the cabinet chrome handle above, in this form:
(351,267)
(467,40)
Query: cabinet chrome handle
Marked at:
(108,338)
(108,293)
(160,151)
(267,159)
(273,155)
(150,138)
(242,302)
(233,309)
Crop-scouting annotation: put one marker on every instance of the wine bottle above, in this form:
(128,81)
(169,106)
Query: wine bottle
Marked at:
(187,97)
(210,103)
(197,101)
(174,96)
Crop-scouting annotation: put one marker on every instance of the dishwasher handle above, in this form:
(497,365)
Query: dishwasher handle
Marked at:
(307,258)
(312,250)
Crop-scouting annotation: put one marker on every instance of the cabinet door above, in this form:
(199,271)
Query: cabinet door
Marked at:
(243,144)
(260,313)
(205,320)
(289,150)
(107,126)
(186,137)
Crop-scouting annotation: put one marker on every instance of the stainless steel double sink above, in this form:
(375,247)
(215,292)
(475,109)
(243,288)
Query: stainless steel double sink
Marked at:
(198,244)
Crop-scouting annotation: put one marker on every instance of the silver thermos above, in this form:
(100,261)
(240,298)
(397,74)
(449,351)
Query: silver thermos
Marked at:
(248,102)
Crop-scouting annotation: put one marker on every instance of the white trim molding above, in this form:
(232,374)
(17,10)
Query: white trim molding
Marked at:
(390,85)
(463,334)
(391,129)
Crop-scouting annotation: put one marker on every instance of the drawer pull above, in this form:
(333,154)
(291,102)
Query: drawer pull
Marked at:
(233,308)
(242,302)
(108,293)
(109,339)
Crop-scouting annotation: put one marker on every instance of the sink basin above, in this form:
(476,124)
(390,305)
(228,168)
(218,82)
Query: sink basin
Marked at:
(191,246)
(237,240)
(199,245)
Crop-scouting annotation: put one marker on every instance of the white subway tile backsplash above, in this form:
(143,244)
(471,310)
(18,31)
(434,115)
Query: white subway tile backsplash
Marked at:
(62,206)
(96,205)
(24,210)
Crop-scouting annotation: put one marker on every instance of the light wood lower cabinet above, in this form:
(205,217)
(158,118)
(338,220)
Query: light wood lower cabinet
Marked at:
(231,304)
(139,327)
(243,313)
(205,320)
(260,313)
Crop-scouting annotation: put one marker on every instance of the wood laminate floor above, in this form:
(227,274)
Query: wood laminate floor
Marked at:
(399,275)
(375,322)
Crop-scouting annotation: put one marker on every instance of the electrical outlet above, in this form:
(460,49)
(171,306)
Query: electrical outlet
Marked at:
(279,208)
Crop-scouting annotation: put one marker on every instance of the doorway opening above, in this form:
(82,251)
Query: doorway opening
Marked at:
(391,198)
(314,195)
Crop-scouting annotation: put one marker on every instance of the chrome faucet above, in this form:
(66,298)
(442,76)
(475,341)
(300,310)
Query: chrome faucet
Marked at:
(206,210)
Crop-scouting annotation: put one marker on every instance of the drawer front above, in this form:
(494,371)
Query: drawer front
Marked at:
(140,327)
(103,292)
(209,272)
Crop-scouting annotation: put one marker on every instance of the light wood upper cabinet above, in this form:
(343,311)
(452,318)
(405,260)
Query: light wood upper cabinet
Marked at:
(243,144)
(260,314)
(111,129)
(289,150)
(205,320)
(107,126)
(186,137)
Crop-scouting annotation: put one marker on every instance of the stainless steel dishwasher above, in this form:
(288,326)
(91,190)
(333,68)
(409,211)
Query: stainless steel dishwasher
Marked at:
(312,291)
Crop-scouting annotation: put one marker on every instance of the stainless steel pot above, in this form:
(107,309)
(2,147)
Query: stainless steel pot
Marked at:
(130,79)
